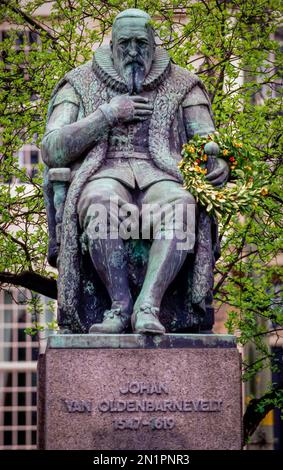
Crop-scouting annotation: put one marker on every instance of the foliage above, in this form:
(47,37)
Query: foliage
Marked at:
(235,48)
(247,175)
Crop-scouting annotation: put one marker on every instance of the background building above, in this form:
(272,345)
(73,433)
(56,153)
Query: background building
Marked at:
(18,356)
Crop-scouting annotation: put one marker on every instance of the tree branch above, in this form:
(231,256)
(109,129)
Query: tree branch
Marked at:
(29,19)
(230,266)
(257,409)
(33,281)
(18,242)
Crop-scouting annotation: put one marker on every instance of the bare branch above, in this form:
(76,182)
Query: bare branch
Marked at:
(32,281)
(29,19)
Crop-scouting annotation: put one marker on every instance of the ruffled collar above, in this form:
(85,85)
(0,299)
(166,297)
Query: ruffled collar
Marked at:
(104,69)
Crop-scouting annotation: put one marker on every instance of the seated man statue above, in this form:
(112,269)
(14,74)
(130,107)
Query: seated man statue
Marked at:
(115,130)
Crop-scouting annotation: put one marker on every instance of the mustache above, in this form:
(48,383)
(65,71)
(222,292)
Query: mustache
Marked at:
(131,61)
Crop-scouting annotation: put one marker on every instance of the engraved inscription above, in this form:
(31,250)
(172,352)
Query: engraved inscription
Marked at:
(80,406)
(118,406)
(145,398)
(144,388)
(142,397)
(138,423)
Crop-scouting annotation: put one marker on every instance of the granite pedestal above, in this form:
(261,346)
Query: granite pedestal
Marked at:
(171,392)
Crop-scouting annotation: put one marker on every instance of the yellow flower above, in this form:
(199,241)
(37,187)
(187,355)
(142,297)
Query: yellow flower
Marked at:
(204,158)
(264,191)
(191,149)
(238,144)
(203,171)
(248,168)
(197,169)
(225,152)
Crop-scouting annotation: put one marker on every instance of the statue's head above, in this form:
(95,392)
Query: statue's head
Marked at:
(132,47)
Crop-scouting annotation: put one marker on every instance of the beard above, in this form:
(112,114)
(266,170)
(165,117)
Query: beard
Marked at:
(134,75)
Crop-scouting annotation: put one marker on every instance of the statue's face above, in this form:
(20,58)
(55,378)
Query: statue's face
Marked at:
(132,50)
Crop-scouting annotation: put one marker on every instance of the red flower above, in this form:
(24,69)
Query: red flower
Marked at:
(198,160)
(232,159)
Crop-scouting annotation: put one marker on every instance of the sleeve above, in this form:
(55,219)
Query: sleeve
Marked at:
(68,135)
(65,109)
(66,94)
(196,97)
(197,113)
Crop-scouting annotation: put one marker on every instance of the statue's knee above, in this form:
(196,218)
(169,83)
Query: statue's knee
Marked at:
(98,219)
(93,205)
(184,197)
(185,213)
(101,197)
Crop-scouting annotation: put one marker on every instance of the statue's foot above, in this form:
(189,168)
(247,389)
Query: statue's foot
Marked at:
(64,330)
(145,320)
(114,321)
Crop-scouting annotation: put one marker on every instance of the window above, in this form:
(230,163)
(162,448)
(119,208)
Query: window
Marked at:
(19,352)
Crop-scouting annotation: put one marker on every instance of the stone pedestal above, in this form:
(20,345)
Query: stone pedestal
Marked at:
(171,392)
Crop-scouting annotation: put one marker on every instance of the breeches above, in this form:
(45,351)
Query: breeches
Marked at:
(164,209)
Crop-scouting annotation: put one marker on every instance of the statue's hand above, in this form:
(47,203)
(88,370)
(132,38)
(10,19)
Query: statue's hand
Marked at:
(125,108)
(219,173)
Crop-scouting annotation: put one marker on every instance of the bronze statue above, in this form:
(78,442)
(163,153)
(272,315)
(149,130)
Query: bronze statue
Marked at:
(115,130)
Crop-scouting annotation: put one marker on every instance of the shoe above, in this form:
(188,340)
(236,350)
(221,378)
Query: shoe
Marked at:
(64,330)
(114,321)
(145,321)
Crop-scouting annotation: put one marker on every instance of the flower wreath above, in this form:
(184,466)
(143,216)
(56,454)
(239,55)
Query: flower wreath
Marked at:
(243,188)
